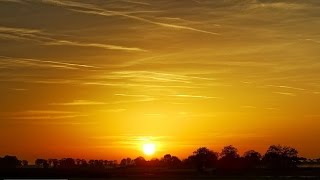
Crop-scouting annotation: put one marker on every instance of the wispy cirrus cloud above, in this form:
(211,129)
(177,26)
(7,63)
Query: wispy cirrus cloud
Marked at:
(92,9)
(248,107)
(52,122)
(280,5)
(132,95)
(113,110)
(129,140)
(43,115)
(313,40)
(46,117)
(130,85)
(286,87)
(193,96)
(145,76)
(12,1)
(78,103)
(18,33)
(137,2)
(97,45)
(285,93)
(45,38)
(93,103)
(14,61)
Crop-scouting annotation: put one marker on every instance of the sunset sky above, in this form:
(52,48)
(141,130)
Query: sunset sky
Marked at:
(100,78)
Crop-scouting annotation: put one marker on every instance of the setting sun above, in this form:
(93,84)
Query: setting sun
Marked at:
(149,148)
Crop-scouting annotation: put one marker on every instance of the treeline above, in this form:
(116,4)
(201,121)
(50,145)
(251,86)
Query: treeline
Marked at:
(14,162)
(276,157)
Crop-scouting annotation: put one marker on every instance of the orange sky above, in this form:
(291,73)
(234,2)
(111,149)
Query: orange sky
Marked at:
(98,79)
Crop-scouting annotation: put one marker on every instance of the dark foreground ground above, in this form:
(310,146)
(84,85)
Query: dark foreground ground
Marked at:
(158,174)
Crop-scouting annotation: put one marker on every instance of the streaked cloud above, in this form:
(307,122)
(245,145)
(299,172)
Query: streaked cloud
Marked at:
(87,102)
(78,103)
(46,117)
(313,40)
(286,87)
(91,9)
(152,114)
(47,112)
(194,96)
(19,89)
(12,1)
(131,139)
(42,115)
(137,2)
(281,5)
(285,93)
(49,39)
(132,95)
(128,85)
(44,63)
(97,45)
(249,107)
(114,110)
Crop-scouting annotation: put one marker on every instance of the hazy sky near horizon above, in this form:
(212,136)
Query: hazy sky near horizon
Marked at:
(99,78)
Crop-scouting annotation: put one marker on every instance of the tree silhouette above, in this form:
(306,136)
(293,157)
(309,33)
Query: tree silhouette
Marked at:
(203,158)
(166,160)
(175,161)
(252,159)
(9,162)
(154,162)
(170,161)
(229,158)
(24,163)
(54,163)
(41,163)
(140,161)
(278,156)
(67,163)
(126,162)
(96,164)
(81,163)
(229,152)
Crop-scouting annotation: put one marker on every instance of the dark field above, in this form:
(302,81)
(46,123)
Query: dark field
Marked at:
(200,178)
(157,174)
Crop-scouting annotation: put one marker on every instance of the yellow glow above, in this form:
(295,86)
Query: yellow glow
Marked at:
(149,149)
